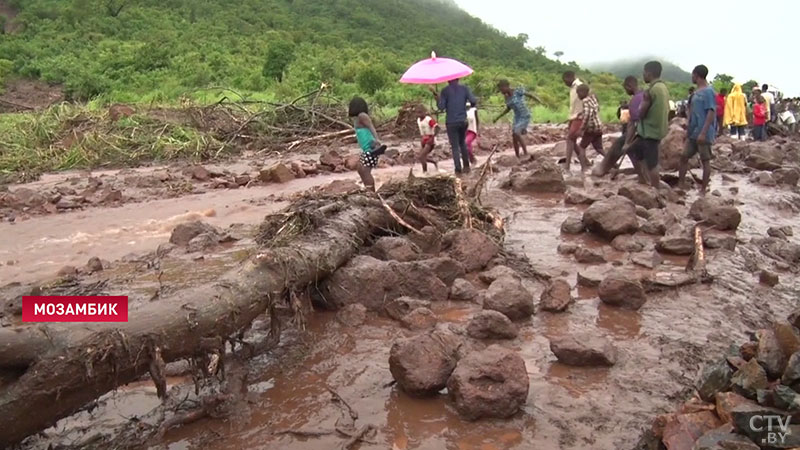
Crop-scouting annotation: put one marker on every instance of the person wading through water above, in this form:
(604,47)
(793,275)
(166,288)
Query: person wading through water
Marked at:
(515,101)
(367,138)
(702,127)
(652,127)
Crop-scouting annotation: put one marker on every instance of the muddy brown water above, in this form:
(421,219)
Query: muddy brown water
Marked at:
(661,346)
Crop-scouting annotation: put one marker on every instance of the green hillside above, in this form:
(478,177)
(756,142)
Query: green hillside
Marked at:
(624,68)
(161,51)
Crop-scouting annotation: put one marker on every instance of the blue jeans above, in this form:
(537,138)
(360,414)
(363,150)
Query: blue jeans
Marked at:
(738,131)
(457,135)
(760,132)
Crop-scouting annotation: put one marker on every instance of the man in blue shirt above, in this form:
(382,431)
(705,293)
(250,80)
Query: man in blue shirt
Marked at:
(453,100)
(702,125)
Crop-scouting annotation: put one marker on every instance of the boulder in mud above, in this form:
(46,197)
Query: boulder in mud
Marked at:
(202,241)
(492,383)
(780,232)
(419,319)
(788,337)
(641,195)
(723,215)
(352,315)
(541,176)
(723,241)
(611,217)
(463,291)
(508,296)
(763,156)
(567,248)
(779,248)
(94,265)
(619,289)
(585,255)
(659,222)
(675,245)
(628,243)
(185,232)
(573,225)
(507,161)
(684,429)
(770,355)
(25,197)
(471,248)
(649,260)
(786,176)
(422,364)
(578,197)
(199,173)
(723,439)
(446,269)
(591,277)
(394,249)
(750,378)
(399,307)
(557,296)
(498,272)
(584,350)
(672,147)
(278,173)
(491,325)
(331,159)
(768,278)
(725,402)
(714,379)
(791,375)
(68,272)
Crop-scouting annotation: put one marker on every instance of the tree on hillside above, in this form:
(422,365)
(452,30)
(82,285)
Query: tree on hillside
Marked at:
(114,7)
(558,55)
(722,81)
(373,78)
(279,56)
(748,87)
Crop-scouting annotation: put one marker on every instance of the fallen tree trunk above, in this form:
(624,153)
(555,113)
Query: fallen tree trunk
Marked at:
(71,365)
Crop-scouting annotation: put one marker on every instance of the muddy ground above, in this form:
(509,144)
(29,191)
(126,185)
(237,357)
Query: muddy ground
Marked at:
(661,346)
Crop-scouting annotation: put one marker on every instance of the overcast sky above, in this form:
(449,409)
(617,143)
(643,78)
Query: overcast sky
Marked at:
(757,40)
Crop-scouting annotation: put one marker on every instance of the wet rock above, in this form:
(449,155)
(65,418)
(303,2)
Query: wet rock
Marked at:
(94,265)
(788,176)
(69,203)
(590,278)
(716,212)
(185,232)
(749,379)
(541,176)
(576,197)
(471,248)
(748,350)
(611,217)
(496,273)
(508,296)
(723,439)
(352,315)
(352,162)
(791,375)
(199,173)
(202,242)
(399,307)
(446,269)
(764,156)
(641,195)
(507,161)
(241,180)
(684,429)
(26,197)
(780,232)
(762,178)
(67,272)
(715,241)
(109,195)
(422,364)
(491,325)
(671,148)
(419,319)
(675,245)
(786,398)
(770,355)
(332,159)
(394,249)
(650,260)
(788,337)
(659,222)
(492,383)
(714,379)
(628,243)
(463,291)
(567,249)
(584,350)
(429,241)
(768,278)
(589,256)
(725,402)
(642,212)
(279,173)
(573,225)
(618,289)
(557,296)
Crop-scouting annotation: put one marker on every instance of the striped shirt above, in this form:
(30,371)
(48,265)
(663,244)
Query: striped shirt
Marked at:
(591,115)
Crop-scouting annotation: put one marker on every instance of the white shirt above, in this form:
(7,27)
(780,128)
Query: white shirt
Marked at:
(576,105)
(425,128)
(768,98)
(472,120)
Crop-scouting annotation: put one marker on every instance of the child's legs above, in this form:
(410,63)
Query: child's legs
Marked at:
(453,137)
(471,136)
(366,177)
(515,141)
(597,143)
(462,143)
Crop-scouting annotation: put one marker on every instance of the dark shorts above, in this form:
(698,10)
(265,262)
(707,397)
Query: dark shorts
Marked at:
(693,148)
(593,139)
(429,139)
(645,150)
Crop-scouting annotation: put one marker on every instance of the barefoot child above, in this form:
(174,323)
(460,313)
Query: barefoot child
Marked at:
(367,139)
(472,131)
(427,129)
(515,101)
(591,127)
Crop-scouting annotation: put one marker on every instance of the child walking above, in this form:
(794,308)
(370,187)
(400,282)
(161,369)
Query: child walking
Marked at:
(427,129)
(760,119)
(367,139)
(472,131)
(515,101)
(591,127)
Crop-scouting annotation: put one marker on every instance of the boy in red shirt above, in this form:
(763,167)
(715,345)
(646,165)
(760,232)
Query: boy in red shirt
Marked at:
(760,119)
(721,110)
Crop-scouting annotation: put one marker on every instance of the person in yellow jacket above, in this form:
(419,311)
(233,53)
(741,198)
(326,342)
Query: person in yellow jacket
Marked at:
(736,113)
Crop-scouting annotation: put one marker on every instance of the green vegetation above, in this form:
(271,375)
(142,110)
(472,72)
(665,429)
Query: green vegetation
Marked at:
(634,67)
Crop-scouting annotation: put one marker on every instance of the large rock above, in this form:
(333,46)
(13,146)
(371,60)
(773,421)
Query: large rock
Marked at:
(649,260)
(497,272)
(780,232)
(611,217)
(791,375)
(541,176)
(723,439)
(725,402)
(471,248)
(715,378)
(641,195)
(557,296)
(577,197)
(675,245)
(508,296)
(749,379)
(492,383)
(491,325)
(463,291)
(400,307)
(618,289)
(628,243)
(395,249)
(573,225)
(585,255)
(719,213)
(203,241)
(671,148)
(446,269)
(770,355)
(331,159)
(787,176)
(422,364)
(419,319)
(764,156)
(787,336)
(185,232)
(584,350)
(352,315)
(683,430)
(659,222)
(372,282)
(278,173)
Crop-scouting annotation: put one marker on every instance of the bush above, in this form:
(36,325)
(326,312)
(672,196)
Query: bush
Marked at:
(372,78)
(279,56)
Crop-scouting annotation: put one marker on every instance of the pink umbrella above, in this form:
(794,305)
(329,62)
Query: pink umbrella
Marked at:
(435,70)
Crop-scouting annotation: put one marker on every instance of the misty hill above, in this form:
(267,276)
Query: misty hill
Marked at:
(623,68)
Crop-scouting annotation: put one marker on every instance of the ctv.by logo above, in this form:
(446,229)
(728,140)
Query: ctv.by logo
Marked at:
(776,427)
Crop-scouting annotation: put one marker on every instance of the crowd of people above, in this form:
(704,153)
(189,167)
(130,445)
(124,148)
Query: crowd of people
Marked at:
(644,117)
